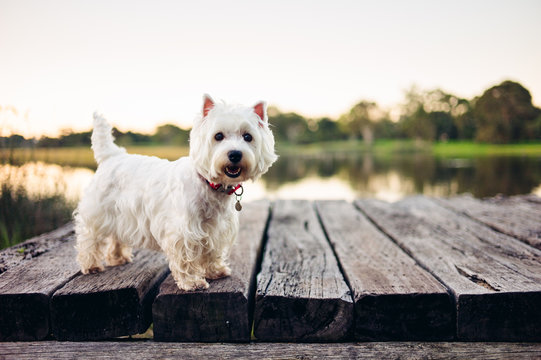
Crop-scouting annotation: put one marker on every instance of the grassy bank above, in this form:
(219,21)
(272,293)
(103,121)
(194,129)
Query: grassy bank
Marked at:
(471,149)
(83,156)
(23,216)
(353,146)
(464,149)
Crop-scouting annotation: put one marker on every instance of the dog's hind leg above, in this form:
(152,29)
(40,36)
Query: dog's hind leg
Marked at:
(117,253)
(89,251)
(217,266)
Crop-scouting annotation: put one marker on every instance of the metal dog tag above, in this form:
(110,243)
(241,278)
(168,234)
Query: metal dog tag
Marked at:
(238,206)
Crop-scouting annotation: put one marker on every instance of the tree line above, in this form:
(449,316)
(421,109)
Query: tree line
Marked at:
(167,134)
(502,114)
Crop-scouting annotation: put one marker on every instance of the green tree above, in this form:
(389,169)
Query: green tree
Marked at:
(505,113)
(436,115)
(414,121)
(387,129)
(171,134)
(70,138)
(418,125)
(290,127)
(361,120)
(464,120)
(329,129)
(46,142)
(325,129)
(130,138)
(533,128)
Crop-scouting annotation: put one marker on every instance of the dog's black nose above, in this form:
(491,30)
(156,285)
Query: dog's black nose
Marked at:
(234,156)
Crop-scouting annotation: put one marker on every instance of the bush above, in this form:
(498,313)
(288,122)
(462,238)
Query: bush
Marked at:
(22,217)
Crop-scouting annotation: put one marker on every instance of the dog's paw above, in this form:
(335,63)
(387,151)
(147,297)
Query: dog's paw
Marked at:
(198,284)
(118,254)
(92,270)
(118,260)
(218,272)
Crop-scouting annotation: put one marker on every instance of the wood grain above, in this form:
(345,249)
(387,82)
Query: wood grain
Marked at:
(495,278)
(301,293)
(25,292)
(514,216)
(366,350)
(530,197)
(222,312)
(116,302)
(35,247)
(395,299)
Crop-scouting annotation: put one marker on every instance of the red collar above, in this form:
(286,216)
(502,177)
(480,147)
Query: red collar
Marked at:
(229,190)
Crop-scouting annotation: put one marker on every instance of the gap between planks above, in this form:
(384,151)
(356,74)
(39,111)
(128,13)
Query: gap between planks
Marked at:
(464,271)
(494,277)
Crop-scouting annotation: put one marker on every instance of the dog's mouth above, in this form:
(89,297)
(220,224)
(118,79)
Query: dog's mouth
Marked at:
(232,171)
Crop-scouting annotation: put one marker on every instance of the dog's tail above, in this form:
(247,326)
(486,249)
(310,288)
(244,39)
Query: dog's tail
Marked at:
(103,141)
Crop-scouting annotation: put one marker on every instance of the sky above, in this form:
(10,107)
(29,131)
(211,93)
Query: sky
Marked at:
(146,63)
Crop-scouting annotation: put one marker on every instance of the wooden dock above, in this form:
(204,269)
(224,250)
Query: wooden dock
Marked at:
(421,269)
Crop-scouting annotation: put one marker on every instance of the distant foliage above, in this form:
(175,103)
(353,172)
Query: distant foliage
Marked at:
(502,114)
(290,127)
(505,113)
(67,138)
(169,134)
(32,215)
(295,129)
(435,115)
(14,141)
(361,120)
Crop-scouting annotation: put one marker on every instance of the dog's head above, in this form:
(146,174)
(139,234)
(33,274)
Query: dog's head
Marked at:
(230,144)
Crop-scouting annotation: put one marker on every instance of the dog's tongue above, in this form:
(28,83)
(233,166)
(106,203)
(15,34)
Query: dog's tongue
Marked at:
(232,171)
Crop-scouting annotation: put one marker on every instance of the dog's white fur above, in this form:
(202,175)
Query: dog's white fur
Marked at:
(141,201)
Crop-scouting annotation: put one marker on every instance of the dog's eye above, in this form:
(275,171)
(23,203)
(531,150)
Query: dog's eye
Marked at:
(247,137)
(219,136)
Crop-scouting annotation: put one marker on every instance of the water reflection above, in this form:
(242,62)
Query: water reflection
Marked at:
(332,176)
(41,180)
(396,176)
(36,197)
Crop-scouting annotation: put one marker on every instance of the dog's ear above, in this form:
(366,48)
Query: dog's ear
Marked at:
(208,104)
(261,110)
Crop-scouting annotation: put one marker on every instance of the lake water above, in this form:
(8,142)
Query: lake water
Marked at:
(333,176)
(41,196)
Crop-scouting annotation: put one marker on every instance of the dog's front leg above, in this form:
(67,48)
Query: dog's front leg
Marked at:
(217,260)
(185,277)
(186,267)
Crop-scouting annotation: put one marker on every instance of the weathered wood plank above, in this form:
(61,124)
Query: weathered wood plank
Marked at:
(530,197)
(514,216)
(222,312)
(367,350)
(495,279)
(34,247)
(115,302)
(395,299)
(301,294)
(25,293)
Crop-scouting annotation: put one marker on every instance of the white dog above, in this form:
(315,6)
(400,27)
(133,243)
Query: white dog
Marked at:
(184,207)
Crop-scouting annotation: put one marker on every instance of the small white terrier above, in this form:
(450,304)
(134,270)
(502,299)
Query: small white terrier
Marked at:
(183,207)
